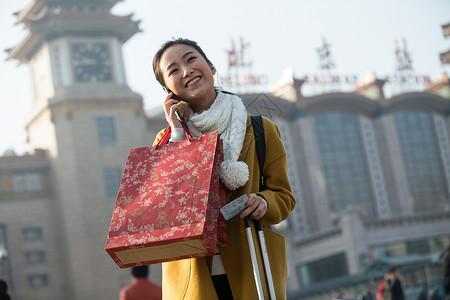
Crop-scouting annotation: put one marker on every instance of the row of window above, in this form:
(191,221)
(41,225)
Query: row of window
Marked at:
(413,247)
(335,266)
(32,181)
(31,257)
(323,269)
(27,182)
(40,280)
(345,163)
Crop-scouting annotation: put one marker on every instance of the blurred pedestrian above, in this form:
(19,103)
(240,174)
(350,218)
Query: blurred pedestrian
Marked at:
(394,286)
(4,290)
(446,266)
(380,290)
(339,295)
(141,288)
(433,293)
(369,295)
(423,294)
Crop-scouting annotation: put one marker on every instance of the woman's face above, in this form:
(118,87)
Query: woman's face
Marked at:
(189,76)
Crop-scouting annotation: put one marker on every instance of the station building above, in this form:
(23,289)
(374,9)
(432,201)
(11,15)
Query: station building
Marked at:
(371,174)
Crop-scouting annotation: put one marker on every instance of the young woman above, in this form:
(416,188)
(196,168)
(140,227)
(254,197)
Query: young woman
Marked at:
(185,72)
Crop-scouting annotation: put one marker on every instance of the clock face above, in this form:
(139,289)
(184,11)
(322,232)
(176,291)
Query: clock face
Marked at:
(91,62)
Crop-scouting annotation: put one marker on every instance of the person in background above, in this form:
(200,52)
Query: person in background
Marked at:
(369,295)
(380,290)
(433,293)
(446,270)
(394,286)
(141,288)
(423,293)
(339,295)
(4,290)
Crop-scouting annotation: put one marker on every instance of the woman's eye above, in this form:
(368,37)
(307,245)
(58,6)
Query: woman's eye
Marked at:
(172,71)
(192,58)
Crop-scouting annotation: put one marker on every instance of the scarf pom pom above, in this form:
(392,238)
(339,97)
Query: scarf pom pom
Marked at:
(234,174)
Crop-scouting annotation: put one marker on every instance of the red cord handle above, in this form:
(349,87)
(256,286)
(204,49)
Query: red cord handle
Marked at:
(166,136)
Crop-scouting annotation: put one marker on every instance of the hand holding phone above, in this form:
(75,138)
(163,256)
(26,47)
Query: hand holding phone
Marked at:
(172,112)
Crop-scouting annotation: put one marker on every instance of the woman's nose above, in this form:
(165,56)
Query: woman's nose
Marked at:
(187,71)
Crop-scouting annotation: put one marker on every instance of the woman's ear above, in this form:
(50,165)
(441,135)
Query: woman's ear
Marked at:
(213,69)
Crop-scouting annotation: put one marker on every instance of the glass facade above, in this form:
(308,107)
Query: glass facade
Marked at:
(425,246)
(422,161)
(323,269)
(344,162)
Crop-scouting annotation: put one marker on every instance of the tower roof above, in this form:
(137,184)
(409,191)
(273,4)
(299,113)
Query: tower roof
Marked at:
(47,19)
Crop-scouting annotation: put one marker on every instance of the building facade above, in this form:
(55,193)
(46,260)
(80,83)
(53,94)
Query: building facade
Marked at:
(371,178)
(86,118)
(371,175)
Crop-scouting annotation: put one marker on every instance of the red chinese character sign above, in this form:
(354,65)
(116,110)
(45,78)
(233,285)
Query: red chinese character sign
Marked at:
(240,77)
(405,79)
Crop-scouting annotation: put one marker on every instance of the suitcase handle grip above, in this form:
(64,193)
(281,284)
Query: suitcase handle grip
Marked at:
(256,222)
(265,257)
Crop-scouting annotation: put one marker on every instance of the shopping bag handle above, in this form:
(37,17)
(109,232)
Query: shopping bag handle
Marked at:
(166,136)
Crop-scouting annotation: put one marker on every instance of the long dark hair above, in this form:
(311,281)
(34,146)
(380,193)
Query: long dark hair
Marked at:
(157,58)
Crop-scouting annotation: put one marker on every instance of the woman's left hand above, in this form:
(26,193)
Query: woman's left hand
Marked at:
(255,206)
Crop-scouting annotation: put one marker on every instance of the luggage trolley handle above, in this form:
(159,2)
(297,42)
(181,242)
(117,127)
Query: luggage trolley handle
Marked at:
(262,243)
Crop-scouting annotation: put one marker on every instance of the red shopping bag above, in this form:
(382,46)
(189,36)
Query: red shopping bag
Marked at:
(168,203)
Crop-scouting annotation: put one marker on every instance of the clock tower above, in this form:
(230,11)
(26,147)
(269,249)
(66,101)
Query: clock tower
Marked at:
(87,118)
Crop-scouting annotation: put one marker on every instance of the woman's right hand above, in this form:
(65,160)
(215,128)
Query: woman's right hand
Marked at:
(170,105)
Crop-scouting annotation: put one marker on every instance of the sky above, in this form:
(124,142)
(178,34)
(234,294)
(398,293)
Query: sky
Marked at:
(282,34)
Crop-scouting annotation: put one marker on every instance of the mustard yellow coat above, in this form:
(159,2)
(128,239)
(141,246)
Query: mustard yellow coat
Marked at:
(190,278)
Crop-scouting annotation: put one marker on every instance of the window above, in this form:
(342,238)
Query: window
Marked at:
(37,280)
(422,160)
(27,182)
(418,247)
(32,234)
(324,269)
(432,245)
(34,257)
(344,162)
(105,129)
(112,178)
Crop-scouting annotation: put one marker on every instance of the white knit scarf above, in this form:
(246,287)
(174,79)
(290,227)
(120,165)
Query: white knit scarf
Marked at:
(228,116)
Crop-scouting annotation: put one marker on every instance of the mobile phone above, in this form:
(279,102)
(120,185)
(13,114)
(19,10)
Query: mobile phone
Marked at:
(177,111)
(173,94)
(179,117)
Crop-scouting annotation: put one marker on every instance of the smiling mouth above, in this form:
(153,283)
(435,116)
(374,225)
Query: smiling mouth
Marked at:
(192,81)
